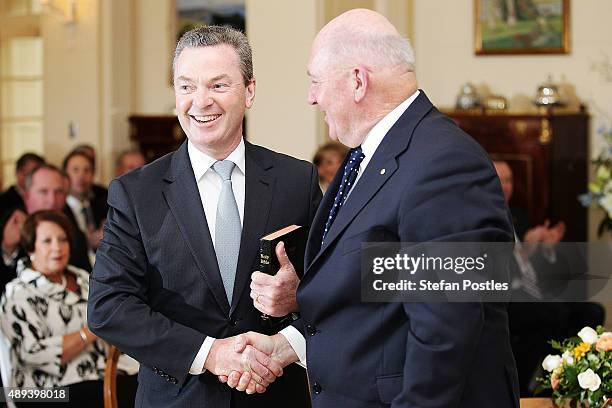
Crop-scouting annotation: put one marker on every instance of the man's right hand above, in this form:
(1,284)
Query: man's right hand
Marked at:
(258,369)
(276,346)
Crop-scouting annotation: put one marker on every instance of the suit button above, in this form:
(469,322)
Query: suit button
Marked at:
(316,388)
(233,321)
(311,330)
(173,380)
(156,370)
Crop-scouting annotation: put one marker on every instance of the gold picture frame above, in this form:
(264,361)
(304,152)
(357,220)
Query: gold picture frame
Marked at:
(515,27)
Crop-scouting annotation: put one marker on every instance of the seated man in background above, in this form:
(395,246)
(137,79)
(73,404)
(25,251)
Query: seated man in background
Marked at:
(129,160)
(11,222)
(533,324)
(13,196)
(99,193)
(45,190)
(87,210)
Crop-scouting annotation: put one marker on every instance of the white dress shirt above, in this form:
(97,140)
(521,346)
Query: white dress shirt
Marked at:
(369,146)
(77,207)
(209,186)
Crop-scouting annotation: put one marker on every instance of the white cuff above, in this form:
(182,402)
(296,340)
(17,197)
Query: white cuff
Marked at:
(297,343)
(197,367)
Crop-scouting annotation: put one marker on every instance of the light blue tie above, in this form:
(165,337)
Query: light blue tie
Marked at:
(227,228)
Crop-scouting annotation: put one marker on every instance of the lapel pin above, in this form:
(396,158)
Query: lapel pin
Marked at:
(382,171)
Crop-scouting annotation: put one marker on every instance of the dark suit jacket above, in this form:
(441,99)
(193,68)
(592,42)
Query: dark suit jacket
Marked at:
(156,291)
(10,199)
(98,201)
(79,255)
(438,184)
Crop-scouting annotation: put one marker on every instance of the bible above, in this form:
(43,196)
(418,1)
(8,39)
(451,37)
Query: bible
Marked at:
(294,238)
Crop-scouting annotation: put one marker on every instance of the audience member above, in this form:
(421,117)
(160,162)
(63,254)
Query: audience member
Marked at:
(87,209)
(11,222)
(44,316)
(129,160)
(328,159)
(98,192)
(13,196)
(46,190)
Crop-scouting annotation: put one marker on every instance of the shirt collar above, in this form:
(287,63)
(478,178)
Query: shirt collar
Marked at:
(378,132)
(74,202)
(201,162)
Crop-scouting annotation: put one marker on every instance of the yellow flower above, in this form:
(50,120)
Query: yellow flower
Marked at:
(581,350)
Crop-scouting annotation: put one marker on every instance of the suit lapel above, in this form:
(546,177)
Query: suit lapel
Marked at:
(380,169)
(318,223)
(259,188)
(183,198)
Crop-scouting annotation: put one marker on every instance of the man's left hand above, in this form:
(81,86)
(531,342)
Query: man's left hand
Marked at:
(275,295)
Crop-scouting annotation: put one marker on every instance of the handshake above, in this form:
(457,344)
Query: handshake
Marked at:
(251,361)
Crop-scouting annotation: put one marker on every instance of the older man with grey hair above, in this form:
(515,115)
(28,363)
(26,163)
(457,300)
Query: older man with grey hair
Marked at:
(411,176)
(171,282)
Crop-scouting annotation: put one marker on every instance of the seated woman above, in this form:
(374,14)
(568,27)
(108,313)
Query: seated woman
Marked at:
(43,315)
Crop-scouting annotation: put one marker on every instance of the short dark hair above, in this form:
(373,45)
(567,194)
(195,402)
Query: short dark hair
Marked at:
(28,231)
(28,157)
(208,36)
(46,166)
(76,153)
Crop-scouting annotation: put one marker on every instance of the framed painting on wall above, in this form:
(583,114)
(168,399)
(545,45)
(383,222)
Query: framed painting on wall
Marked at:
(521,26)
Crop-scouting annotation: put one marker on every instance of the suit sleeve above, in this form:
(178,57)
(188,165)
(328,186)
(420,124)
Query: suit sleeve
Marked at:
(118,310)
(315,200)
(462,194)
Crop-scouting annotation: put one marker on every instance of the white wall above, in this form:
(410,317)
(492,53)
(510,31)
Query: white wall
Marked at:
(153,47)
(71,80)
(280,118)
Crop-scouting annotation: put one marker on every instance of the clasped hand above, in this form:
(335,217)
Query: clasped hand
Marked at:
(257,369)
(272,353)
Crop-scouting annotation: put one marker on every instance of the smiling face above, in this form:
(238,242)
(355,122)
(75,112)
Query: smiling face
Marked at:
(51,249)
(329,89)
(211,98)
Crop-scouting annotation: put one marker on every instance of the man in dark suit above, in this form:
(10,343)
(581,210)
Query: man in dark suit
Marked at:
(411,176)
(170,284)
(13,196)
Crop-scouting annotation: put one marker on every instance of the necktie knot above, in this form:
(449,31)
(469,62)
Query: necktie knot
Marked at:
(224,169)
(356,156)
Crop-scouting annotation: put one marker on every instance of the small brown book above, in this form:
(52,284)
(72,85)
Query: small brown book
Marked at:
(294,238)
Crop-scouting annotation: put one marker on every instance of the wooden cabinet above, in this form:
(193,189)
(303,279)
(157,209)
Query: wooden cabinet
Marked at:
(156,135)
(548,156)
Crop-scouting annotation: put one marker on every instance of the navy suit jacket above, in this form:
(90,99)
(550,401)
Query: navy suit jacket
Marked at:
(156,291)
(438,185)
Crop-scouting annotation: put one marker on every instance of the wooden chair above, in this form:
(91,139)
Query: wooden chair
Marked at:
(536,403)
(110,378)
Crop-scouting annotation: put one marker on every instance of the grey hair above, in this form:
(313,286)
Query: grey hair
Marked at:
(208,36)
(374,50)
